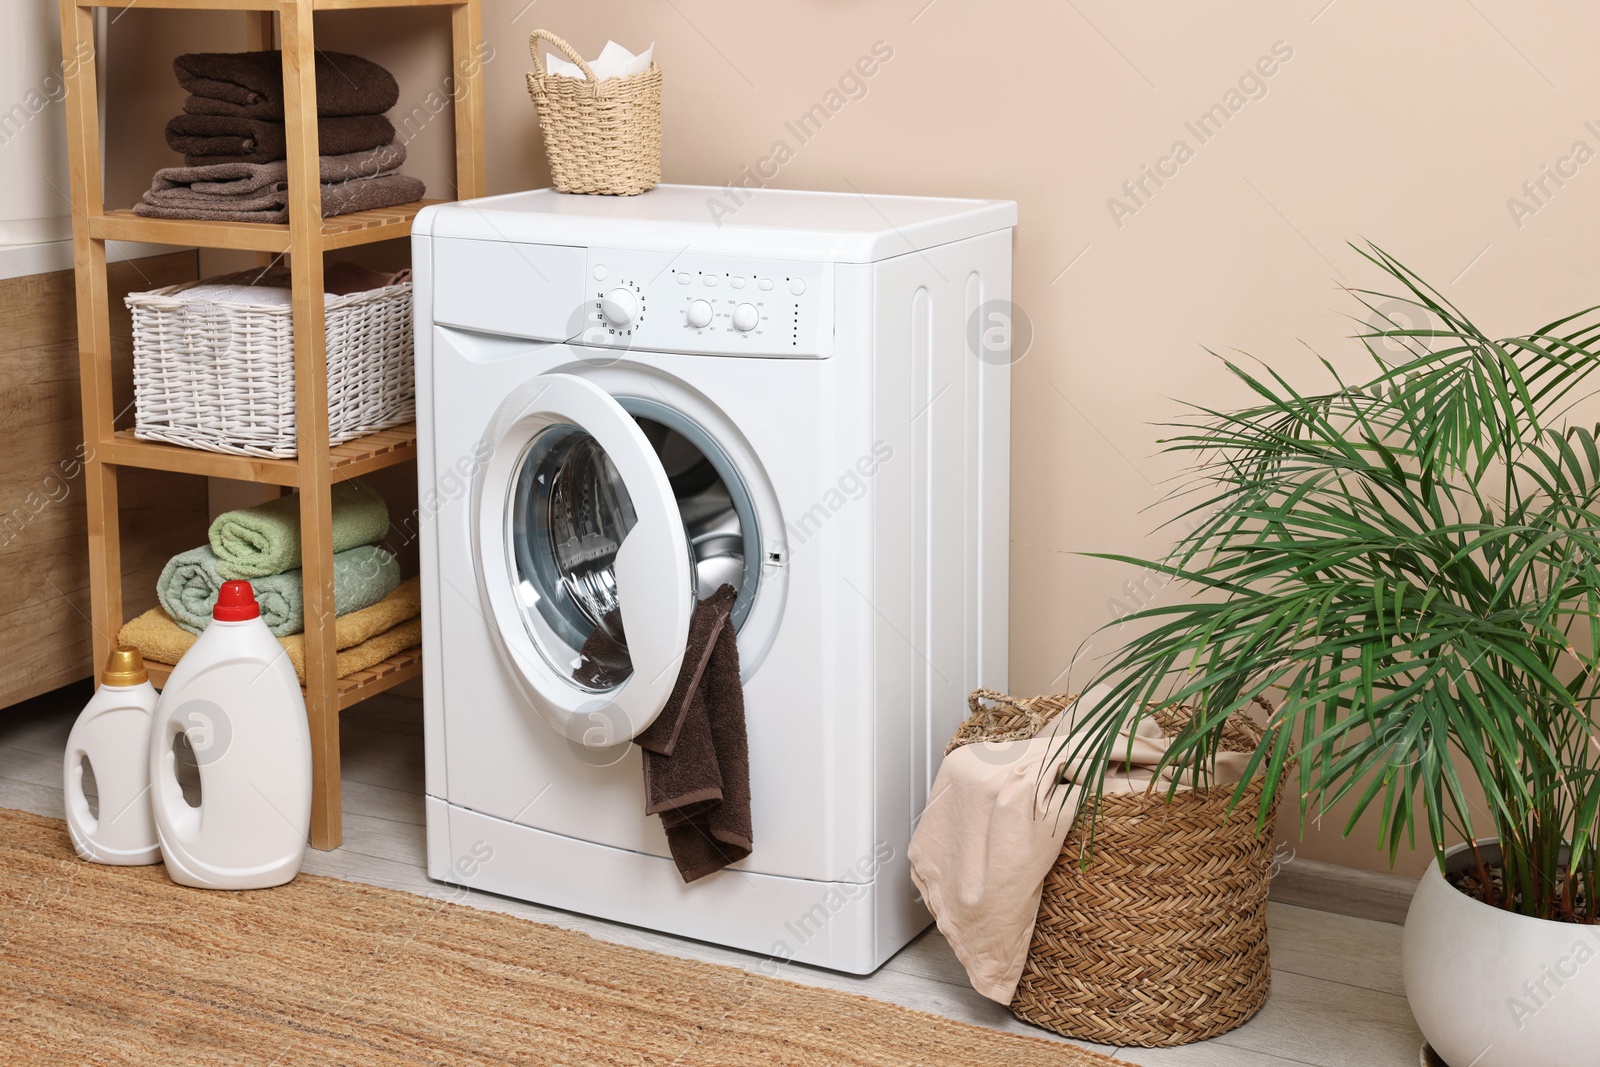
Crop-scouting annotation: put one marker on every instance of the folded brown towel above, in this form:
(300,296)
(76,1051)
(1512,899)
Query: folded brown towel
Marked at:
(259,186)
(250,84)
(702,790)
(274,197)
(338,198)
(229,139)
(240,179)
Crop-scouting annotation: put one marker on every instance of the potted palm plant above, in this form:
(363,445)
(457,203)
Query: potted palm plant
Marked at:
(1409,569)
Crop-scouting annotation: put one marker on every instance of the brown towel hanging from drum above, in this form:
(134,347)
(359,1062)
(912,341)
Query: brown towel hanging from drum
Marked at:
(696,753)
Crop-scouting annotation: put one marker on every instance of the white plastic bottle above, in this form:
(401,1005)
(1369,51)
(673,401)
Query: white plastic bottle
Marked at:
(236,697)
(113,734)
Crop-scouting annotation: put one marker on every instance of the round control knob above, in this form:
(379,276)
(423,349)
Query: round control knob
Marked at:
(699,313)
(619,307)
(745,317)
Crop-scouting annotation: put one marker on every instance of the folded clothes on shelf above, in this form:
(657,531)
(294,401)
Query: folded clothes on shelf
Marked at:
(234,140)
(250,84)
(189,585)
(363,638)
(242,179)
(338,198)
(265,539)
(206,139)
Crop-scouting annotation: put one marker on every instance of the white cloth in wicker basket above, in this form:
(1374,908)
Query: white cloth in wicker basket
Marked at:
(268,295)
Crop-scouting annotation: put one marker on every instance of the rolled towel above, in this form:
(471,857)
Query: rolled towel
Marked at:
(364,638)
(338,198)
(206,139)
(242,179)
(189,584)
(265,539)
(250,84)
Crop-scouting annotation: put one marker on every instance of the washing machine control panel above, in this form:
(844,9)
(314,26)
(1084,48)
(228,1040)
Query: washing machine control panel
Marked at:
(710,305)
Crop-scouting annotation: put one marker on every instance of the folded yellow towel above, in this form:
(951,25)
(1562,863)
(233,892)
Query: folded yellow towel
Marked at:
(365,638)
(156,636)
(369,653)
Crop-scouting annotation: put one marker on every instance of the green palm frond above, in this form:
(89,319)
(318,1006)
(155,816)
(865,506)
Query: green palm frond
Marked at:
(1408,568)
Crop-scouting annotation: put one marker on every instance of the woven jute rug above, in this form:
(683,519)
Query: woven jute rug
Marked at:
(117,965)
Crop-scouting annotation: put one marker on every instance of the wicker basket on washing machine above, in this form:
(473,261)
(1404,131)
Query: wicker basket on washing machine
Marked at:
(1162,939)
(600,136)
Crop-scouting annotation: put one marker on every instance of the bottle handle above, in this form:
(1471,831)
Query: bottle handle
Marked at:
(166,795)
(77,800)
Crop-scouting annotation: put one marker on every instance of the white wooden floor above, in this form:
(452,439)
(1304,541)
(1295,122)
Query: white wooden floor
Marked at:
(1336,994)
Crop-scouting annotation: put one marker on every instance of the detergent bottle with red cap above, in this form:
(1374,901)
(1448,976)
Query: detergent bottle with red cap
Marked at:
(236,700)
(111,741)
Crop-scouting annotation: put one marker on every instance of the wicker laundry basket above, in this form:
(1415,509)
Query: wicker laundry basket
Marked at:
(1162,939)
(600,136)
(219,374)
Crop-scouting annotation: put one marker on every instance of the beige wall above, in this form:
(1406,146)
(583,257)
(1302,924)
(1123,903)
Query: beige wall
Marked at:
(1407,124)
(142,93)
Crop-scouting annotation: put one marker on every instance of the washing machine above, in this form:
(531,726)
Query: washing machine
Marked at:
(624,403)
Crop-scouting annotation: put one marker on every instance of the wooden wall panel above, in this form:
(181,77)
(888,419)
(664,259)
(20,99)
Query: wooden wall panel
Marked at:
(44,574)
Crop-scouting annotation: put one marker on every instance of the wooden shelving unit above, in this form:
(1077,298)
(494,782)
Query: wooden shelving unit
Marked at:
(304,239)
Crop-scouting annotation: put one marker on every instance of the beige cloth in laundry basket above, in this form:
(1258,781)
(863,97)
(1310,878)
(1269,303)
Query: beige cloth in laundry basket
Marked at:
(990,834)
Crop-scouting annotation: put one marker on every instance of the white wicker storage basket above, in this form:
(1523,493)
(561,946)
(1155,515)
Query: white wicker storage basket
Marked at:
(219,374)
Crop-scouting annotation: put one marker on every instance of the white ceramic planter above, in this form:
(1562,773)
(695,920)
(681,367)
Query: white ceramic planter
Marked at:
(1493,989)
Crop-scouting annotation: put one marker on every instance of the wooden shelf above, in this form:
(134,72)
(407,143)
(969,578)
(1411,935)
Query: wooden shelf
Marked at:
(352,689)
(264,5)
(340,231)
(288,27)
(400,667)
(375,451)
(126,450)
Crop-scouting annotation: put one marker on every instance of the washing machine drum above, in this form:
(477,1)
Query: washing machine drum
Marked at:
(586,501)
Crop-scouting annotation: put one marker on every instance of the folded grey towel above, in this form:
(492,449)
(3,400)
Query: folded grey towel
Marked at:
(250,84)
(242,179)
(206,139)
(338,198)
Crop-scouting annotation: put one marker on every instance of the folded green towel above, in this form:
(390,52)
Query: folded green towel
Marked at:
(265,539)
(189,584)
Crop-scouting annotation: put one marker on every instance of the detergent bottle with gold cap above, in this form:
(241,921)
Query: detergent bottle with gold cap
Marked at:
(235,699)
(112,739)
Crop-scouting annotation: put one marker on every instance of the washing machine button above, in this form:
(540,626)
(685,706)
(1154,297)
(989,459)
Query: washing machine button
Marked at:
(764,284)
(699,314)
(684,279)
(709,279)
(737,283)
(796,286)
(600,272)
(745,318)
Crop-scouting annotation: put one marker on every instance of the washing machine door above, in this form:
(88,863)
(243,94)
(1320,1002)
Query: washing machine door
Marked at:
(583,560)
